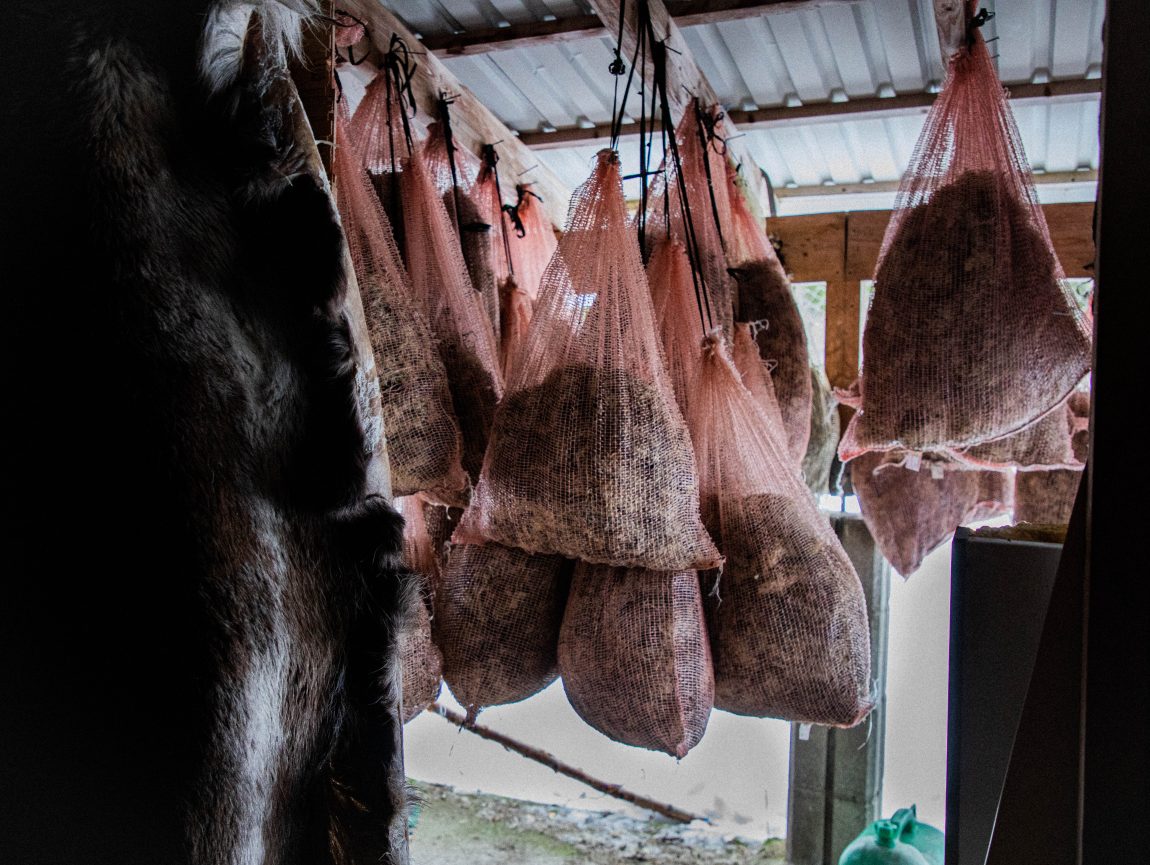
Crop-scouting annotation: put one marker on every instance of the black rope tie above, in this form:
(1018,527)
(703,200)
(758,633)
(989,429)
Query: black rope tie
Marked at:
(491,160)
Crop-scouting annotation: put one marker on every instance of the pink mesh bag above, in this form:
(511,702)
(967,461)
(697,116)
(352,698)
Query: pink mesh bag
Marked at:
(458,319)
(766,301)
(970,335)
(995,496)
(589,456)
(532,241)
(634,656)
(497,617)
(1048,496)
(677,315)
(787,618)
(515,310)
(423,439)
(472,201)
(756,378)
(420,661)
(1044,444)
(912,504)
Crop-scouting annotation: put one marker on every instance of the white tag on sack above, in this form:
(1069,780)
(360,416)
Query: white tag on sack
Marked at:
(804,732)
(936,471)
(913,461)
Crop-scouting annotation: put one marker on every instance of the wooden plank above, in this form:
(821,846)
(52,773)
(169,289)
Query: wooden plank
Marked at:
(687,13)
(685,81)
(813,246)
(865,231)
(472,123)
(844,314)
(1049,177)
(761,118)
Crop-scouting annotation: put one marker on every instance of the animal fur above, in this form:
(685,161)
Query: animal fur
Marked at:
(199,634)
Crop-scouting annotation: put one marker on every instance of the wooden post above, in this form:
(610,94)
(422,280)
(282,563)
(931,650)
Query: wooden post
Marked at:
(835,785)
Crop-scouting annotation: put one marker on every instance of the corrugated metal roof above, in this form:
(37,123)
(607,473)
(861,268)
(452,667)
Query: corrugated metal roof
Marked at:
(826,53)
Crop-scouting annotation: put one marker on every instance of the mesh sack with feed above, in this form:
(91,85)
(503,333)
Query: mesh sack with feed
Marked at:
(971,335)
(423,439)
(823,444)
(441,523)
(382,131)
(912,504)
(1044,444)
(458,319)
(634,656)
(995,496)
(497,616)
(467,188)
(589,455)
(756,377)
(689,188)
(1048,496)
(532,241)
(765,298)
(420,661)
(787,617)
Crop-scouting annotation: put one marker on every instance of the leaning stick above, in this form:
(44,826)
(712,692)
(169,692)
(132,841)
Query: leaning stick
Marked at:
(557,765)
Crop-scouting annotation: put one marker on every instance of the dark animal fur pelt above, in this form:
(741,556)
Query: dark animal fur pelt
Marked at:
(201,593)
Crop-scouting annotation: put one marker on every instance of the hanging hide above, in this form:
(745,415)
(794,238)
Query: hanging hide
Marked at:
(200,621)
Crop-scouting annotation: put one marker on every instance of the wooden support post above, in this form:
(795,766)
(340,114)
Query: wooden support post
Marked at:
(473,125)
(835,785)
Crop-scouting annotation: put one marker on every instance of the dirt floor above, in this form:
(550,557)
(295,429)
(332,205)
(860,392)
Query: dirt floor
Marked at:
(453,828)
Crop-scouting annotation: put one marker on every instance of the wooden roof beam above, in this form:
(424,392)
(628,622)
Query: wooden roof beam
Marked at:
(814,112)
(472,123)
(686,13)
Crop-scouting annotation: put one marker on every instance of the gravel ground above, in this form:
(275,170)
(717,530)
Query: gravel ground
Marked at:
(453,828)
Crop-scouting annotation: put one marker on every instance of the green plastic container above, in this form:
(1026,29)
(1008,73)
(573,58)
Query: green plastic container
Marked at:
(901,840)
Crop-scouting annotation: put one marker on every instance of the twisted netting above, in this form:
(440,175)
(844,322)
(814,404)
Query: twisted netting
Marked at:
(423,438)
(756,377)
(911,512)
(666,217)
(467,196)
(589,456)
(766,301)
(497,617)
(531,251)
(677,315)
(971,335)
(822,447)
(458,320)
(787,618)
(1044,444)
(634,656)
(420,661)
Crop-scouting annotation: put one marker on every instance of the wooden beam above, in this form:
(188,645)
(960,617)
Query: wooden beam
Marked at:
(827,247)
(473,124)
(814,112)
(1090,176)
(687,13)
(685,81)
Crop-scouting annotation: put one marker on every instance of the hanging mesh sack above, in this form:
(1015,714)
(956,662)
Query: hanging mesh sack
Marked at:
(822,446)
(423,438)
(995,496)
(515,310)
(676,314)
(766,300)
(532,241)
(634,656)
(589,455)
(970,334)
(497,617)
(910,506)
(441,523)
(787,619)
(420,661)
(756,378)
(1044,444)
(458,319)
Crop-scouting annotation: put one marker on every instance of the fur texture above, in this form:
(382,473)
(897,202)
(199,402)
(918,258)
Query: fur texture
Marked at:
(205,595)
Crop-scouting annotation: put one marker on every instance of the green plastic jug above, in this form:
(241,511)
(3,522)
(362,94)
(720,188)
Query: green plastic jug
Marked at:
(901,840)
